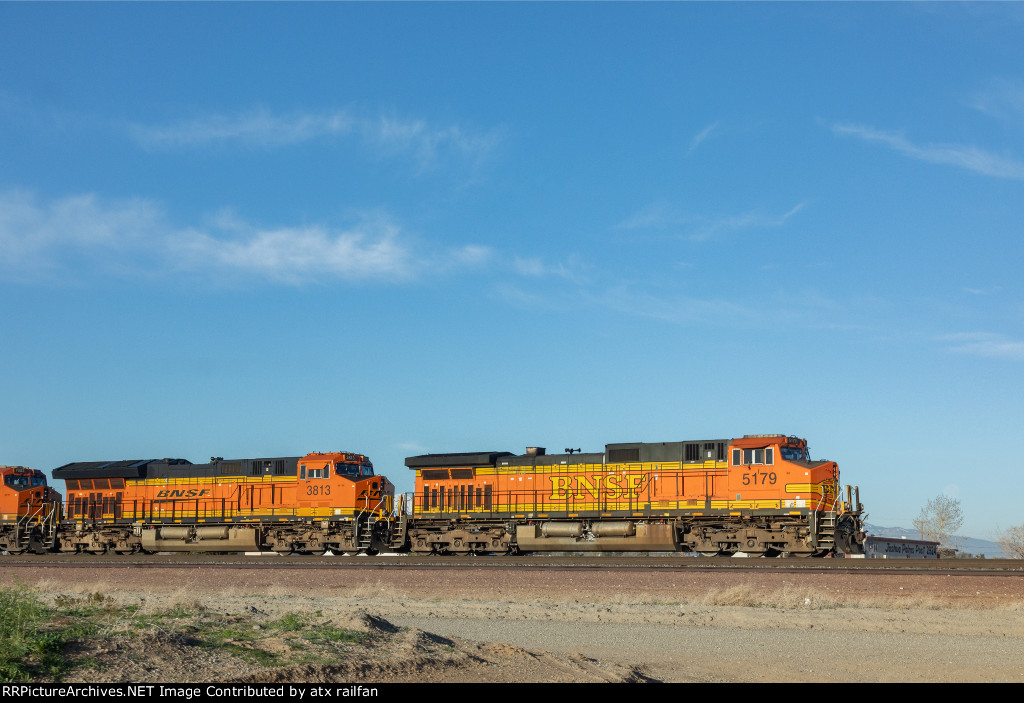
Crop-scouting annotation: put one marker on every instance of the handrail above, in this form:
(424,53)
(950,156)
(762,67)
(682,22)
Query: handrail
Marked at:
(446,498)
(520,501)
(205,508)
(44,513)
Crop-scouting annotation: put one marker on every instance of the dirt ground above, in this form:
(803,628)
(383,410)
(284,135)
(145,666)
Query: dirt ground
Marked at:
(521,624)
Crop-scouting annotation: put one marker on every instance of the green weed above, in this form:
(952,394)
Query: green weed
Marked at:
(29,644)
(330,633)
(35,635)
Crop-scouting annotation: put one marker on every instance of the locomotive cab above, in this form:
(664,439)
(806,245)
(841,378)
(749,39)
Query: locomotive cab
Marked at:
(29,510)
(763,466)
(339,478)
(22,490)
(766,468)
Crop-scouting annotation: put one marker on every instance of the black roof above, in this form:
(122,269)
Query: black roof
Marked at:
(457,459)
(126,468)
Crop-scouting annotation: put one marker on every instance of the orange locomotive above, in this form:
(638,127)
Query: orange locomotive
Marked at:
(305,504)
(759,494)
(29,511)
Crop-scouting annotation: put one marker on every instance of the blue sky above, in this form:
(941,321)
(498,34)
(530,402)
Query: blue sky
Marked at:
(265,229)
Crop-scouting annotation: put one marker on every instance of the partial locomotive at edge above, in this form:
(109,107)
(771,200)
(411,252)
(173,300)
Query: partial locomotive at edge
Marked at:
(762,495)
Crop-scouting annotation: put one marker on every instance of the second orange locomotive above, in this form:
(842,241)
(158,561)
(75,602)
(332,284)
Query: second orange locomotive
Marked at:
(305,504)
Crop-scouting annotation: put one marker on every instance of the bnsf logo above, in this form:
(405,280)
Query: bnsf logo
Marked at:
(190,493)
(598,486)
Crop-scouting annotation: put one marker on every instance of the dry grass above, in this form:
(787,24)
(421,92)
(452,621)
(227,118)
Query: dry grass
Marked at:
(387,595)
(797,598)
(807,598)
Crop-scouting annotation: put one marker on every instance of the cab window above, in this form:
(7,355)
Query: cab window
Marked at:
(18,483)
(795,454)
(755,456)
(323,472)
(347,469)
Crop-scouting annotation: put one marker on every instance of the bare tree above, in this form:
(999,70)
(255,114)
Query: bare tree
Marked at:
(1011,541)
(940,518)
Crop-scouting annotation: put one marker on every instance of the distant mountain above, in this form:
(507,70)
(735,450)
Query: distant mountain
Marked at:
(968,545)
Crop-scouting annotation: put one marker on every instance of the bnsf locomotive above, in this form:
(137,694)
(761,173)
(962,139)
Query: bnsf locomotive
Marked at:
(304,504)
(759,494)
(29,510)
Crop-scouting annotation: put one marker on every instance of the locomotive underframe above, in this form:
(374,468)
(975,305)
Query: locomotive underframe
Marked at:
(768,533)
(304,536)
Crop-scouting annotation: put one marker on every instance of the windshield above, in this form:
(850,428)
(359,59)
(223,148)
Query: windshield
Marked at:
(354,469)
(795,454)
(20,483)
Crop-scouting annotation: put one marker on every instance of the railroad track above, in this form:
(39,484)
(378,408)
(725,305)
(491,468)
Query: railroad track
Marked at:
(272,561)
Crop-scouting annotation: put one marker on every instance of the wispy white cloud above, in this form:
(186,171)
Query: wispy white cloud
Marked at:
(82,234)
(1001,98)
(699,138)
(750,220)
(982,291)
(571,269)
(654,216)
(984,344)
(426,141)
(675,309)
(256,128)
(36,239)
(700,227)
(294,254)
(262,128)
(967,157)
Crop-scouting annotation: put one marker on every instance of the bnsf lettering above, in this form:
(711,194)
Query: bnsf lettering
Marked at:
(183,493)
(609,486)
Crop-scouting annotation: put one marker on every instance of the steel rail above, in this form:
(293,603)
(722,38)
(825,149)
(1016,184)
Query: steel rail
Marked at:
(992,567)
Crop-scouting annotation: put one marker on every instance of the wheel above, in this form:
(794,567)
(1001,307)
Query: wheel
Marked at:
(709,554)
(752,548)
